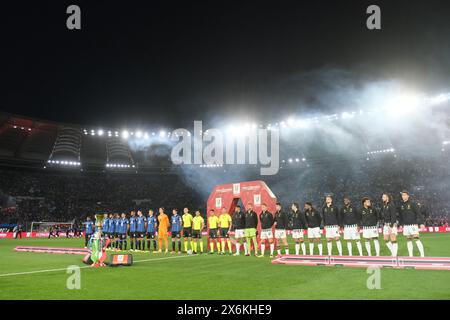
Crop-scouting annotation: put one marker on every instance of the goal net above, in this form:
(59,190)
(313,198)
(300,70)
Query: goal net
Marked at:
(47,226)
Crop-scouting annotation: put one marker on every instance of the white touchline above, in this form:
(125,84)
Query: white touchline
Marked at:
(83,267)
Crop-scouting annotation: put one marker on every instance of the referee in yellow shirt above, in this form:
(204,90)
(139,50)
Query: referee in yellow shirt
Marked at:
(213,224)
(225,225)
(187,230)
(197,226)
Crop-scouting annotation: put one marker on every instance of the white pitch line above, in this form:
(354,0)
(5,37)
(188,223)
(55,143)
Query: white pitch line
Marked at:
(83,267)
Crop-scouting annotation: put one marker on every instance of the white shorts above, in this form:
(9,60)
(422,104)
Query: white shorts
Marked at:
(388,230)
(411,230)
(314,233)
(351,233)
(297,234)
(280,234)
(370,232)
(239,233)
(332,232)
(266,234)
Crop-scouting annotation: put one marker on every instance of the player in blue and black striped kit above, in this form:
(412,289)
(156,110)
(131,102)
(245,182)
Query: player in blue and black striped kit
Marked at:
(140,230)
(132,231)
(176,224)
(111,230)
(122,232)
(151,229)
(89,225)
(116,231)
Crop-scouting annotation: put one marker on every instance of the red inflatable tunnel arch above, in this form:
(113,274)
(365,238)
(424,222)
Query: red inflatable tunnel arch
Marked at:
(228,195)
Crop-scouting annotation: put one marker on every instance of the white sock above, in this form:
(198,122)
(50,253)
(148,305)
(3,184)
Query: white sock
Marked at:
(245,248)
(238,247)
(297,249)
(329,247)
(409,245)
(272,248)
(279,251)
(311,248)
(420,247)
(339,246)
(263,248)
(377,247)
(389,245)
(303,248)
(394,249)
(359,246)
(369,252)
(320,248)
(349,248)
(286,250)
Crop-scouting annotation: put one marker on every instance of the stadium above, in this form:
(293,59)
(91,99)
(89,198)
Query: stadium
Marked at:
(329,183)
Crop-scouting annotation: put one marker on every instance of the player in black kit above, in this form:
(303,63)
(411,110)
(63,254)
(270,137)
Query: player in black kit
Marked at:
(369,223)
(389,215)
(314,220)
(238,225)
(298,227)
(350,220)
(330,215)
(281,224)
(410,218)
(267,220)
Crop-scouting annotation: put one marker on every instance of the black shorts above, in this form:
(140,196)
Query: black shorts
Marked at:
(176,234)
(213,233)
(140,234)
(196,234)
(133,234)
(187,232)
(224,233)
(151,235)
(122,236)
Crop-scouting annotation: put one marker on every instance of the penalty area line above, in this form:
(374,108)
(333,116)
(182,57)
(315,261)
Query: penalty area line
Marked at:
(82,267)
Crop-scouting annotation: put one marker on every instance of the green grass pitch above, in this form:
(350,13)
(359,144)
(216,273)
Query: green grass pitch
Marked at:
(165,276)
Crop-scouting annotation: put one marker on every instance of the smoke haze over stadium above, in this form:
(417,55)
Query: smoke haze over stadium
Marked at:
(160,63)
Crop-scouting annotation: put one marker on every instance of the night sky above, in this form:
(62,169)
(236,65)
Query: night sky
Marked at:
(171,62)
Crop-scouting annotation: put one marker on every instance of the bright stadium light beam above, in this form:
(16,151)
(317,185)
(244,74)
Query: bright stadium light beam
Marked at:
(100,132)
(162,133)
(125,134)
(138,134)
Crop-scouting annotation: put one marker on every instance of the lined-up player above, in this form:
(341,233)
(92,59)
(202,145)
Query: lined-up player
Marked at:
(175,229)
(389,215)
(198,223)
(132,229)
(410,218)
(151,230)
(238,225)
(224,227)
(140,231)
(281,221)
(251,224)
(369,223)
(314,220)
(298,227)
(350,220)
(330,216)
(213,225)
(163,228)
(187,230)
(266,219)
(122,231)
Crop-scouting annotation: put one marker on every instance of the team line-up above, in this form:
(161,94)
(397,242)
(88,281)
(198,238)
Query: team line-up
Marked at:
(143,230)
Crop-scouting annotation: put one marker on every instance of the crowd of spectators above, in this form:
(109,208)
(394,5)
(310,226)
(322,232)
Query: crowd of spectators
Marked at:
(62,197)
